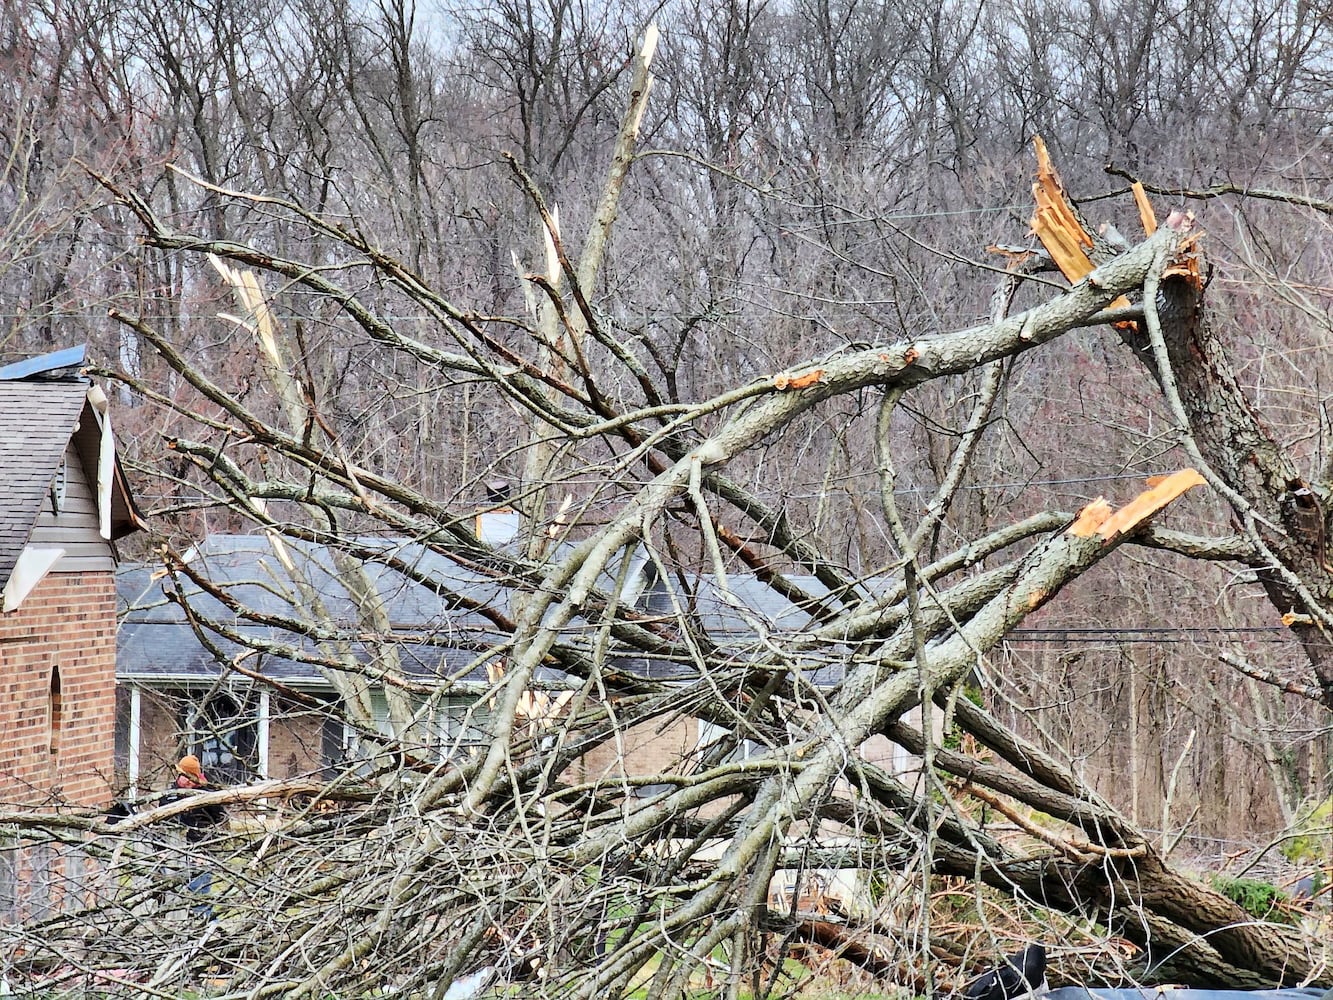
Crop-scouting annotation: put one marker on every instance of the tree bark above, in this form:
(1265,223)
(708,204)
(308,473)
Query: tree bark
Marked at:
(1284,514)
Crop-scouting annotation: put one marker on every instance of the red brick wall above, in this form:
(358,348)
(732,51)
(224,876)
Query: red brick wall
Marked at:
(642,750)
(68,622)
(294,741)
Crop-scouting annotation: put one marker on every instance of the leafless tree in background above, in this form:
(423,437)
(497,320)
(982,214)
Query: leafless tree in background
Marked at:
(793,357)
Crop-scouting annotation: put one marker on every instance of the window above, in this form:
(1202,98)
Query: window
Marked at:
(451,727)
(55,716)
(221,732)
(462,725)
(709,734)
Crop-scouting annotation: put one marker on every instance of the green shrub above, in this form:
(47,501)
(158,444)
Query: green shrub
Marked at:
(1312,844)
(953,736)
(1259,899)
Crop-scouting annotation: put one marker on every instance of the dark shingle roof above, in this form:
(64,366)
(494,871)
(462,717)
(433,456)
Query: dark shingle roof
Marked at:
(37,419)
(435,637)
(246,566)
(170,653)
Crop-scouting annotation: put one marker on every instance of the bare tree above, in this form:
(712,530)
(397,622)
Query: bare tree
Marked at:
(675,570)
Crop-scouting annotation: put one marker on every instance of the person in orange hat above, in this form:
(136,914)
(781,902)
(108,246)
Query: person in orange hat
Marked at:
(188,768)
(199,821)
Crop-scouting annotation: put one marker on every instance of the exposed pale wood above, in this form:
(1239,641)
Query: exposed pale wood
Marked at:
(1055,225)
(1149,502)
(1146,214)
(1090,518)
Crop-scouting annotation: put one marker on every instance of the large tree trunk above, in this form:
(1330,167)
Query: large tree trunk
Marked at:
(1115,876)
(1282,513)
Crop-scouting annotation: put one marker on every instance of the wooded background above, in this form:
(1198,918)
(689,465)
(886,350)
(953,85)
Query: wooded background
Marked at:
(809,179)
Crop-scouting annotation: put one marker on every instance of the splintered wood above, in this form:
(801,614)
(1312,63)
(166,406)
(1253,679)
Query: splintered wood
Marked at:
(1101,519)
(1185,261)
(1060,232)
(1053,221)
(1147,217)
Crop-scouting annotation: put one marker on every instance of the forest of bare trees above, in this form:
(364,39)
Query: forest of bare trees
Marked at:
(759,298)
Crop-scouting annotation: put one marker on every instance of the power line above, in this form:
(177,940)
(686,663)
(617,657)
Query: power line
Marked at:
(1148,635)
(1155,629)
(601,481)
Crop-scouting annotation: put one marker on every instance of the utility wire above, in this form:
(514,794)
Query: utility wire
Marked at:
(788,495)
(1153,629)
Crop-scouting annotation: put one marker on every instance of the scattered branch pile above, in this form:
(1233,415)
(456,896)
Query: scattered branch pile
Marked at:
(412,870)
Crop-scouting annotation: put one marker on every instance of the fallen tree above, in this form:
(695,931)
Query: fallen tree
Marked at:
(598,884)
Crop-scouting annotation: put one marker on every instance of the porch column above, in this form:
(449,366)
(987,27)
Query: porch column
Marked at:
(136,727)
(262,735)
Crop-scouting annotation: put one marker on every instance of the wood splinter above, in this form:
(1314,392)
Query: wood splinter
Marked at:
(1100,518)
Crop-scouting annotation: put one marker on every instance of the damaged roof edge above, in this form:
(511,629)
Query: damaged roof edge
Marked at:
(64,364)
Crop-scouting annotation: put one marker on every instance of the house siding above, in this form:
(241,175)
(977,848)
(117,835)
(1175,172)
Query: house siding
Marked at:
(66,623)
(641,750)
(76,528)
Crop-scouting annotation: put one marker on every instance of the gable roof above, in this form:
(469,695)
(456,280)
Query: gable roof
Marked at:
(37,419)
(43,408)
(435,635)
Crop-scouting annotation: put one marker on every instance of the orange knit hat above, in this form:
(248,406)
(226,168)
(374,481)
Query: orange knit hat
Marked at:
(189,766)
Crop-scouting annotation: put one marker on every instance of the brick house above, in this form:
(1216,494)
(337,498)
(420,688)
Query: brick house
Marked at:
(270,717)
(176,694)
(63,501)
